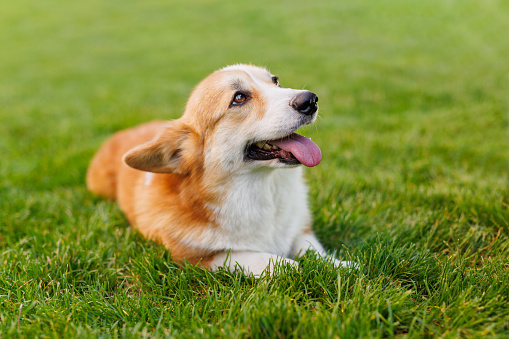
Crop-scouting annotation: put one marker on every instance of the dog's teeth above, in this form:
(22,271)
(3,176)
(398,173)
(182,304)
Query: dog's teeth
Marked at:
(267,147)
(274,147)
(260,144)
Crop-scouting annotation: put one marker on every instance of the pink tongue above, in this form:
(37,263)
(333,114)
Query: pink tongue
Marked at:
(306,151)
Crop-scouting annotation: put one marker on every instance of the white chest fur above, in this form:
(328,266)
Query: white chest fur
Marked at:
(261,212)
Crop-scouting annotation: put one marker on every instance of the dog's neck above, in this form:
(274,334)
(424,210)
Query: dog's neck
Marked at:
(261,178)
(257,188)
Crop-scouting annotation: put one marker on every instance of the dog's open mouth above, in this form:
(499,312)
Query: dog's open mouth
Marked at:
(293,149)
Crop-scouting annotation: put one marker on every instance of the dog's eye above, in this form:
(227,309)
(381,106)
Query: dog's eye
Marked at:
(239,98)
(275,81)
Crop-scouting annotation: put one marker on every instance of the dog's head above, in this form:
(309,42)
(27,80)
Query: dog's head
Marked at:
(237,118)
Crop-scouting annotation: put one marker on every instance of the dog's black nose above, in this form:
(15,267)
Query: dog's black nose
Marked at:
(305,103)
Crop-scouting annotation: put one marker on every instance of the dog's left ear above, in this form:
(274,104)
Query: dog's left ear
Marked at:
(162,154)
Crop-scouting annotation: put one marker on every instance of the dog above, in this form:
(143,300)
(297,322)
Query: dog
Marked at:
(221,186)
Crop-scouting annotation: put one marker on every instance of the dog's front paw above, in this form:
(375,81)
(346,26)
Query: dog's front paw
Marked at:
(345,264)
(257,264)
(269,264)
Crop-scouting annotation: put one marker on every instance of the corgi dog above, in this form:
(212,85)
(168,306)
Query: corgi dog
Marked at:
(221,186)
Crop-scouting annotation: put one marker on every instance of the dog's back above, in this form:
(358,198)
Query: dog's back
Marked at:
(102,174)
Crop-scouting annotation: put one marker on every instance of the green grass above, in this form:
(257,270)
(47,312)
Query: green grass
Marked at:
(412,187)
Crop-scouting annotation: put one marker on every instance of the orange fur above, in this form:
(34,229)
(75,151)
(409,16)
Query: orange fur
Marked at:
(102,176)
(183,194)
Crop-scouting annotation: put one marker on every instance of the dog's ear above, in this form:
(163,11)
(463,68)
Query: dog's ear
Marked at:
(162,154)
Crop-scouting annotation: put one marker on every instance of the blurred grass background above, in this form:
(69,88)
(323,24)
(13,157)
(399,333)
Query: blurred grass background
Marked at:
(413,185)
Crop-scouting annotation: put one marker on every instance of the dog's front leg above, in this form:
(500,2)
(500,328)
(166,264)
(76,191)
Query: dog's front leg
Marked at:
(308,241)
(254,263)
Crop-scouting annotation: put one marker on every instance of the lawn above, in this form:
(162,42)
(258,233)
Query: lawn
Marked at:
(412,186)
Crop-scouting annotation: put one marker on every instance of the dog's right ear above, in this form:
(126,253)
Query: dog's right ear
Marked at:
(162,154)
